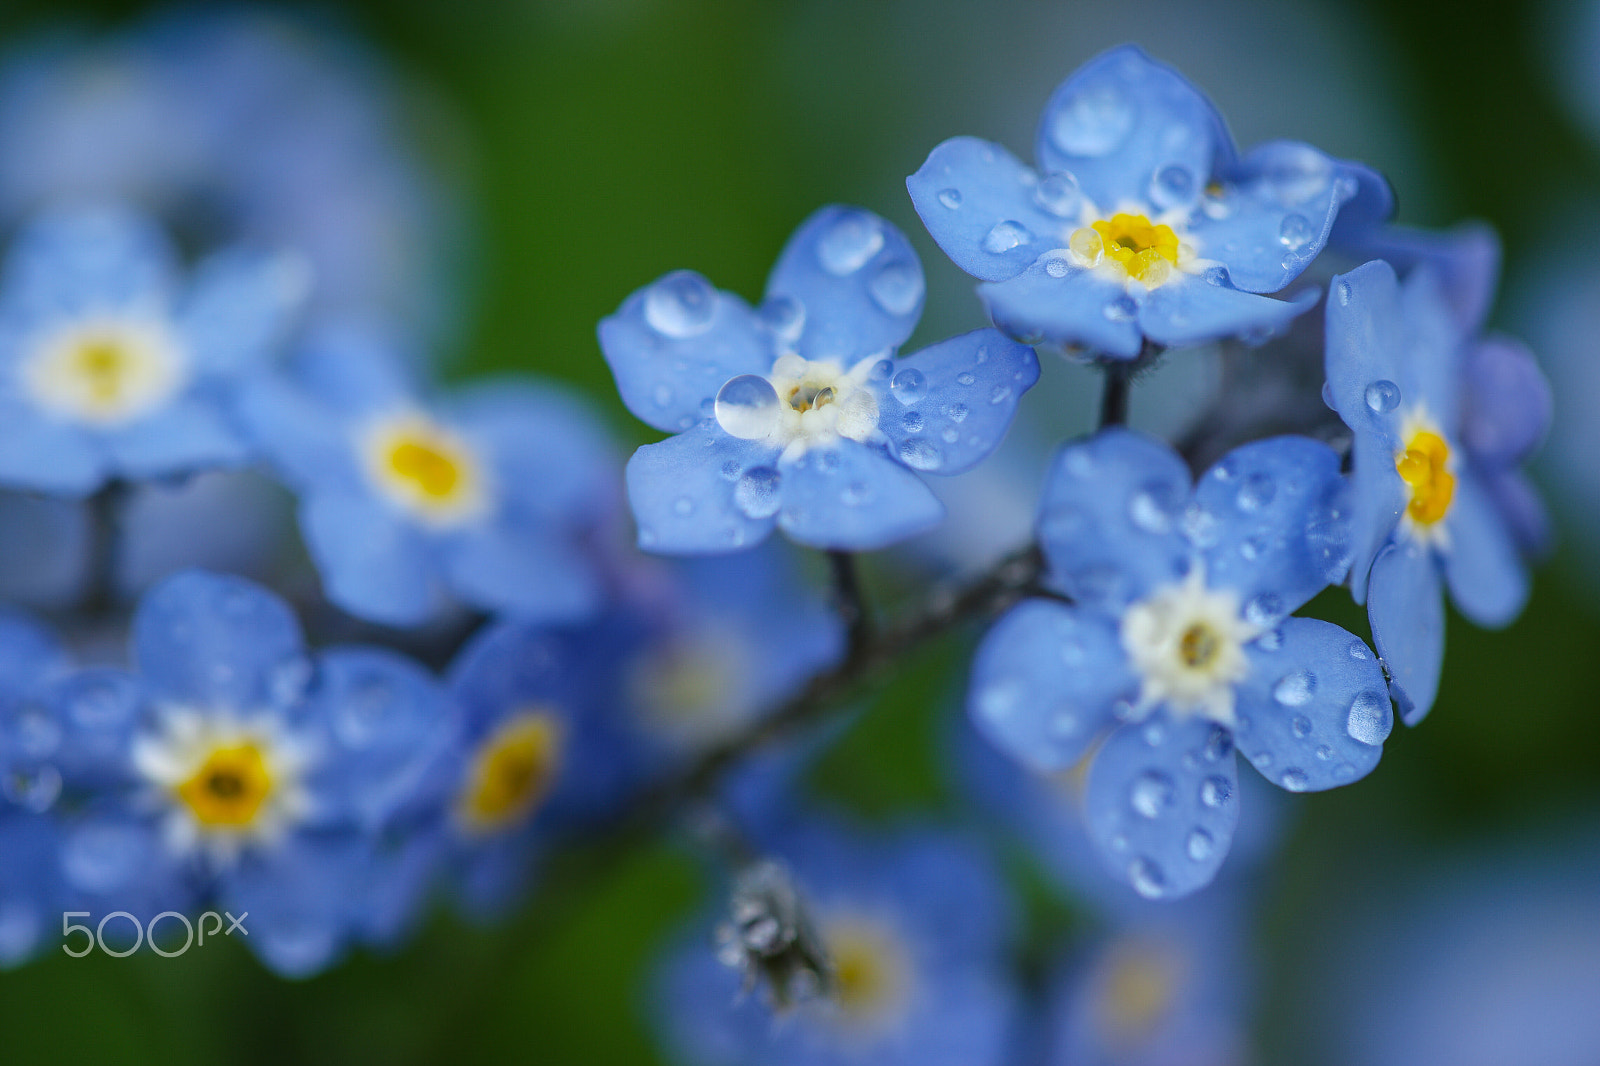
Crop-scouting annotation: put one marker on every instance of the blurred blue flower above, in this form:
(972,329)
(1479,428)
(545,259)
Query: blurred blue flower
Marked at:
(1442,420)
(796,414)
(110,368)
(1179,644)
(231,768)
(1144,223)
(915,927)
(484,497)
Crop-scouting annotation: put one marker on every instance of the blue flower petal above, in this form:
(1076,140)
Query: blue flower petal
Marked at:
(47,455)
(373,564)
(1487,580)
(238,307)
(989,211)
(354,370)
(309,448)
(1313,712)
(1189,310)
(1361,219)
(1433,350)
(215,641)
(703,492)
(72,262)
(1274,216)
(672,345)
(1508,405)
(856,281)
(1112,516)
(1368,386)
(1121,120)
(522,572)
(300,900)
(186,435)
(1162,804)
(1405,604)
(1045,680)
(956,399)
(1275,539)
(1058,302)
(1519,503)
(852,497)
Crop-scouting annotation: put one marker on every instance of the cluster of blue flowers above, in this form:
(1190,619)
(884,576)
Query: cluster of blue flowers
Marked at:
(492,667)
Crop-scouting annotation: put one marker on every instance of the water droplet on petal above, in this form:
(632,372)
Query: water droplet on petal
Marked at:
(1058,193)
(951,198)
(1298,175)
(1256,492)
(1370,719)
(1200,526)
(920,454)
(1217,276)
(1093,122)
(1359,652)
(1295,689)
(757,494)
(897,288)
(1000,394)
(1172,186)
(1263,610)
(1294,780)
(913,421)
(683,506)
(956,412)
(785,316)
(1383,396)
(909,386)
(1006,236)
(853,239)
(1215,792)
(1151,794)
(1147,878)
(1342,291)
(1121,309)
(682,304)
(1056,266)
(747,407)
(1148,512)
(1295,232)
(1200,845)
(856,494)
(1300,726)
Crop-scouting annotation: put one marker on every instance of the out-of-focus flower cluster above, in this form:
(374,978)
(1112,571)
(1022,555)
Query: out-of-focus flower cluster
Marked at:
(209,308)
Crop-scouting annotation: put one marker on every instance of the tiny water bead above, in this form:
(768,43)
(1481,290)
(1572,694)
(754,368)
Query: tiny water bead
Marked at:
(682,304)
(746,406)
(1005,236)
(1215,792)
(1383,396)
(1200,845)
(909,386)
(950,198)
(1295,232)
(848,245)
(1295,689)
(1152,794)
(1058,193)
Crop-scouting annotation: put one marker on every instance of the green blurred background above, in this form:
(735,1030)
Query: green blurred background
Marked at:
(605,142)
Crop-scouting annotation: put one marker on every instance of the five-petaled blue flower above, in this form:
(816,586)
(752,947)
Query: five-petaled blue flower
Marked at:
(796,414)
(488,496)
(109,368)
(1179,645)
(1144,222)
(1441,420)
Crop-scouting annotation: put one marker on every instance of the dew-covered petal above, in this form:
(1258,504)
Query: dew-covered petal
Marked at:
(45,454)
(1162,804)
(989,211)
(214,640)
(673,343)
(856,280)
(1507,406)
(852,497)
(1368,386)
(310,448)
(1045,680)
(188,434)
(70,263)
(949,405)
(299,897)
(373,563)
(1466,258)
(1483,567)
(1361,221)
(1313,712)
(239,306)
(1405,604)
(1112,520)
(1190,310)
(522,572)
(704,492)
(1056,301)
(1281,534)
(1274,215)
(1121,119)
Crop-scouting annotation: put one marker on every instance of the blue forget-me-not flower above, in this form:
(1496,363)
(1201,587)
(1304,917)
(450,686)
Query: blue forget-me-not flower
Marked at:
(1440,418)
(796,414)
(486,496)
(110,366)
(1142,222)
(1179,645)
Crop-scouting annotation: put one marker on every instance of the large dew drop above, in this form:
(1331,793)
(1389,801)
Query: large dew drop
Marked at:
(1370,718)
(853,239)
(1151,794)
(757,494)
(897,288)
(747,407)
(1058,194)
(682,304)
(1383,397)
(1006,236)
(1296,689)
(909,386)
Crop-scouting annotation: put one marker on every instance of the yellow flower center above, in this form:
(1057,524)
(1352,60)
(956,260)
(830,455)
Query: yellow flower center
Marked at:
(105,371)
(230,786)
(1146,250)
(425,468)
(1423,466)
(806,396)
(1137,986)
(870,971)
(513,771)
(1198,646)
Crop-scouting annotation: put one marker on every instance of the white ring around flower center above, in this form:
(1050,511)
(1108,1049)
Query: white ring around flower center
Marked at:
(1187,643)
(801,404)
(105,370)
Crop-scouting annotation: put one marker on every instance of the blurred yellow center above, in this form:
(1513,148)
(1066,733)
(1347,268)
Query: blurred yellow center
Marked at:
(426,468)
(1198,646)
(105,371)
(230,786)
(1422,465)
(1146,250)
(512,772)
(870,971)
(1137,989)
